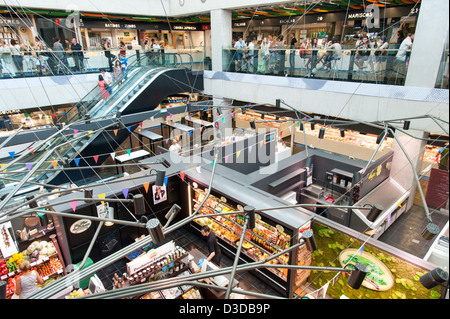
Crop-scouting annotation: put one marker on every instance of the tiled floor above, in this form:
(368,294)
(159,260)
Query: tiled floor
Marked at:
(405,232)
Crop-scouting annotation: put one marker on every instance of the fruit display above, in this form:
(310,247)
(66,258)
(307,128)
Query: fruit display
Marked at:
(75,294)
(38,250)
(194,293)
(4,269)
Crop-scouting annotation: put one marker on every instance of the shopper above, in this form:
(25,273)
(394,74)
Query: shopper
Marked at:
(122,48)
(175,147)
(362,53)
(118,73)
(108,55)
(124,64)
(17,58)
(401,57)
(104,90)
(334,53)
(215,254)
(78,55)
(59,55)
(239,46)
(292,54)
(108,79)
(26,283)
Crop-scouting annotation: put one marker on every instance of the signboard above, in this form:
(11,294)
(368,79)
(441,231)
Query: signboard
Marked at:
(8,245)
(159,194)
(80,226)
(378,278)
(149,258)
(437,192)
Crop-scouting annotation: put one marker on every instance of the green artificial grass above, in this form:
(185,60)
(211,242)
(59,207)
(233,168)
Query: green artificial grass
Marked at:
(406,276)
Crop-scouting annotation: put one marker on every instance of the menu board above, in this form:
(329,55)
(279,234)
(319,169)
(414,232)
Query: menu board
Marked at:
(437,192)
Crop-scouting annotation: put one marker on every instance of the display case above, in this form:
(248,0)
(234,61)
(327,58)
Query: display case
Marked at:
(267,238)
(243,121)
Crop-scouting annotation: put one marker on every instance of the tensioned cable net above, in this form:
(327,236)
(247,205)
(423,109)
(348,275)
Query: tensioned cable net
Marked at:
(42,158)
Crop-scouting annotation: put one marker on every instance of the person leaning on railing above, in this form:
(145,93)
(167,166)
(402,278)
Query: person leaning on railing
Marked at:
(401,57)
(16,51)
(78,55)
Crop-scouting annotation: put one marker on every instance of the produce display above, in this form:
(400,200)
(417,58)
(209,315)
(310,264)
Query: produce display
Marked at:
(194,293)
(259,243)
(42,257)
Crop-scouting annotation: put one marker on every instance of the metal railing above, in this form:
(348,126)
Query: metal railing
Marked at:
(388,66)
(50,63)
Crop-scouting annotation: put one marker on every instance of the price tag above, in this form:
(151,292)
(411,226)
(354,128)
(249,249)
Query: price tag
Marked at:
(59,271)
(45,259)
(12,273)
(3,277)
(45,278)
(33,264)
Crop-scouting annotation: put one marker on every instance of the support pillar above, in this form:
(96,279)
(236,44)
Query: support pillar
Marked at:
(401,170)
(221,36)
(429,43)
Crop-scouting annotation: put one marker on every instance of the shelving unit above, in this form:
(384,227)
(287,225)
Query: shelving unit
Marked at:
(259,243)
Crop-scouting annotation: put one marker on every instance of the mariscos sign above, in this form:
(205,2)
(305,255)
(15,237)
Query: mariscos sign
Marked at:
(379,277)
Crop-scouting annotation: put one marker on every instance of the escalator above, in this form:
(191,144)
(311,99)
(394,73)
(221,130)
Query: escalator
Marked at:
(143,88)
(145,84)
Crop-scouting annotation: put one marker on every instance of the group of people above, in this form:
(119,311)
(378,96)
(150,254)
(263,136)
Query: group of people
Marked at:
(39,57)
(268,56)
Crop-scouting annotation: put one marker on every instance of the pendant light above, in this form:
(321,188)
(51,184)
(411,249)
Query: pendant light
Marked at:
(322,133)
(357,276)
(430,231)
(310,241)
(160,176)
(374,212)
(342,131)
(249,212)
(433,278)
(406,125)
(139,204)
(252,124)
(155,231)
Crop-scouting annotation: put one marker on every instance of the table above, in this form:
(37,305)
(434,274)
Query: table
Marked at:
(133,156)
(153,137)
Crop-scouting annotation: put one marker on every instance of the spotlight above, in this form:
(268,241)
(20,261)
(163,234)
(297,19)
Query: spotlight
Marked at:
(277,117)
(374,212)
(313,126)
(88,193)
(310,241)
(380,137)
(139,204)
(160,176)
(219,111)
(252,124)
(430,231)
(433,278)
(357,276)
(249,212)
(110,215)
(406,125)
(262,116)
(342,131)
(278,103)
(244,111)
(301,126)
(155,231)
(322,133)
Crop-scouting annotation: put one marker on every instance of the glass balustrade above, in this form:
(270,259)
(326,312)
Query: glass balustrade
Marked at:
(388,66)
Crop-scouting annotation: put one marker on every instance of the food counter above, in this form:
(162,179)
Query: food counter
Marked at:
(243,121)
(271,235)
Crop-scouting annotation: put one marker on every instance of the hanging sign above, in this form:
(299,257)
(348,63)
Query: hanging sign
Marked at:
(80,226)
(379,277)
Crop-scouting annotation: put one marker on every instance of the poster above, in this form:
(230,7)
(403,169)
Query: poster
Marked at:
(159,194)
(8,245)
(437,192)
